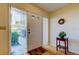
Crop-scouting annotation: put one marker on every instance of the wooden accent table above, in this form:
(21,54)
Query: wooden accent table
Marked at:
(58,45)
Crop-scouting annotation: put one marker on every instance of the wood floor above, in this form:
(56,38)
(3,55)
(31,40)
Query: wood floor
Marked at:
(55,53)
(52,51)
(48,50)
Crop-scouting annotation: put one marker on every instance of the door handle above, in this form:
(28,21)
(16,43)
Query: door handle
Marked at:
(29,31)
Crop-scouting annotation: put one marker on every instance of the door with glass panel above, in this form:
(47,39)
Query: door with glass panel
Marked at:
(18,34)
(35,31)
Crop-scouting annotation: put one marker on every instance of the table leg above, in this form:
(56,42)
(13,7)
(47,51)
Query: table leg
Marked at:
(65,48)
(67,45)
(56,45)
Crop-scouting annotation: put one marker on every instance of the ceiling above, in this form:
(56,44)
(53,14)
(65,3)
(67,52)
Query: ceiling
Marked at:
(50,6)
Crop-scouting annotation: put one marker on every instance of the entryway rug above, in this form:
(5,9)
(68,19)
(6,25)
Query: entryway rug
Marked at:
(37,51)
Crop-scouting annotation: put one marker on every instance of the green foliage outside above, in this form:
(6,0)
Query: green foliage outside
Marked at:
(14,38)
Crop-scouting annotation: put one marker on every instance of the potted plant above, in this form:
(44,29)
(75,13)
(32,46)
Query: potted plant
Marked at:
(62,34)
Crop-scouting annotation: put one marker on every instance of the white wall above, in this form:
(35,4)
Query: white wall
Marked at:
(71,26)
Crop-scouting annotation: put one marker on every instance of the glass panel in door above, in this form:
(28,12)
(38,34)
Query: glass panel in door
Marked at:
(18,32)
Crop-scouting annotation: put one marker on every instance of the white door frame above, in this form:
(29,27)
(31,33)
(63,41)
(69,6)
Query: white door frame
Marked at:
(45,31)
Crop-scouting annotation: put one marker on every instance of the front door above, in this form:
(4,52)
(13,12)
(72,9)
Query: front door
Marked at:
(35,31)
